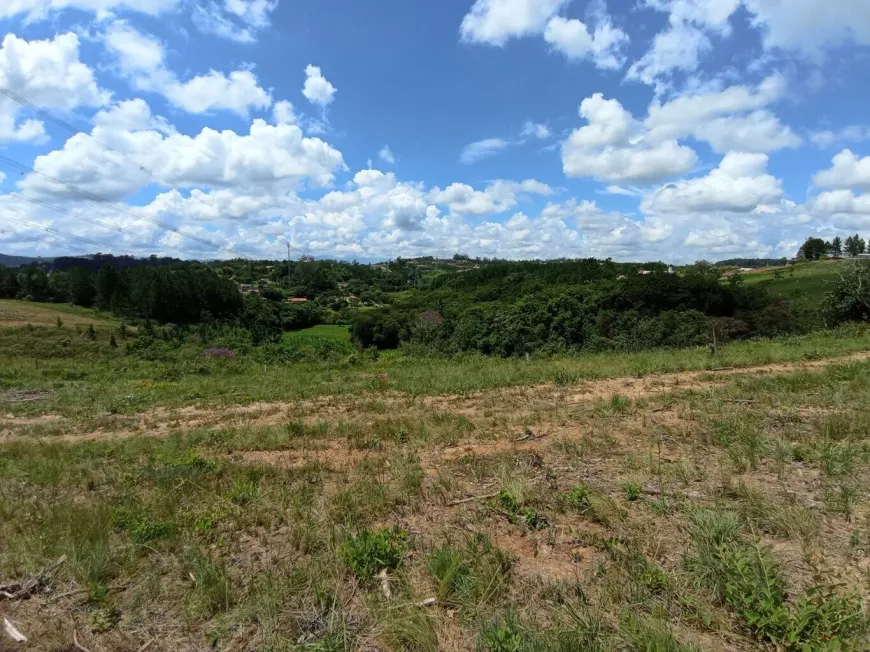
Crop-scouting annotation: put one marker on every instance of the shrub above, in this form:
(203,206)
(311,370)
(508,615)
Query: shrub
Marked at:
(370,552)
(849,299)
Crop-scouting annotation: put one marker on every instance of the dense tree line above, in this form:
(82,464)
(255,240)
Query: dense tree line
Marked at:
(815,248)
(183,295)
(602,309)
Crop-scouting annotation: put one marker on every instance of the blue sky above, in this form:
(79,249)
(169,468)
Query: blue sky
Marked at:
(644,129)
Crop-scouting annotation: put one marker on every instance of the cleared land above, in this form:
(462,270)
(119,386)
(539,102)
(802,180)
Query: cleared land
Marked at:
(658,501)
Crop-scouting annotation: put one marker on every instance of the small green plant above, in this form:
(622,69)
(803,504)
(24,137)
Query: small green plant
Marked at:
(472,576)
(113,342)
(633,491)
(651,635)
(142,528)
(519,513)
(243,492)
(578,499)
(59,322)
(370,552)
(105,618)
(502,635)
(213,589)
(92,334)
(747,577)
(566,377)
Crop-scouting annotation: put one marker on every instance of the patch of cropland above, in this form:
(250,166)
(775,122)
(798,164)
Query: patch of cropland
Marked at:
(163,499)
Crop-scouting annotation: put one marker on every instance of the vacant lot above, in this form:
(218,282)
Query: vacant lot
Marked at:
(658,501)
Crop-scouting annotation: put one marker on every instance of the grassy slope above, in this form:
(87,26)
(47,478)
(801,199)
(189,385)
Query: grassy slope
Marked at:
(19,313)
(92,380)
(804,283)
(600,538)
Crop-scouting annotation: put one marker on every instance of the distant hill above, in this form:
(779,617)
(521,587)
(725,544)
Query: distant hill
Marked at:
(93,262)
(14,261)
(754,263)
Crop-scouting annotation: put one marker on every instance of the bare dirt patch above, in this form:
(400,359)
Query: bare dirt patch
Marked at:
(159,422)
(24,396)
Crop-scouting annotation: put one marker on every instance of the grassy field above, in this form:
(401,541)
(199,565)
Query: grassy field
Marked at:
(22,313)
(663,501)
(803,283)
(338,333)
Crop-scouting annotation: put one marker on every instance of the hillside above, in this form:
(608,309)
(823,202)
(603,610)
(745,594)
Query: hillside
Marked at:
(14,261)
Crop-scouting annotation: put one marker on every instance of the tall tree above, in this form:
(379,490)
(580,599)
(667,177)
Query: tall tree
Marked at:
(813,249)
(836,249)
(80,285)
(107,285)
(855,245)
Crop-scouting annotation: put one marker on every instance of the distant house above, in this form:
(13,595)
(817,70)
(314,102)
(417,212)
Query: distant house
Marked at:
(297,300)
(644,272)
(247,288)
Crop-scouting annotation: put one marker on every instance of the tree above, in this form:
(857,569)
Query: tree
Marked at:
(34,284)
(849,299)
(80,285)
(813,249)
(855,245)
(107,285)
(8,283)
(836,249)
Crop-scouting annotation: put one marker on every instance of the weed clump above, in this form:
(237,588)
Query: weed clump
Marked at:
(372,551)
(745,576)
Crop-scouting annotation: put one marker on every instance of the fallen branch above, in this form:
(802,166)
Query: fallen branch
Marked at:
(36,584)
(742,401)
(13,633)
(472,499)
(78,645)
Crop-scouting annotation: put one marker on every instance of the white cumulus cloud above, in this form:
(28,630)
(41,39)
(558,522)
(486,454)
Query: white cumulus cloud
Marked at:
(42,9)
(603,45)
(739,184)
(48,73)
(317,89)
(141,58)
(847,171)
(496,21)
(611,147)
(498,197)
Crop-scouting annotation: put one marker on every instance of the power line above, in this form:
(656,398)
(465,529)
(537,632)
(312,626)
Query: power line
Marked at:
(68,235)
(45,114)
(22,168)
(47,241)
(119,229)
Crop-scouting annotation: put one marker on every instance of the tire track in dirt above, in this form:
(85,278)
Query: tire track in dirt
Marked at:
(161,421)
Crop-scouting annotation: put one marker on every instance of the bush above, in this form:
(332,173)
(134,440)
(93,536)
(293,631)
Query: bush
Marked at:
(381,329)
(849,299)
(370,552)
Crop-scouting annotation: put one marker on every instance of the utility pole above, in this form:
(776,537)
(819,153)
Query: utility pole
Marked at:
(288,263)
